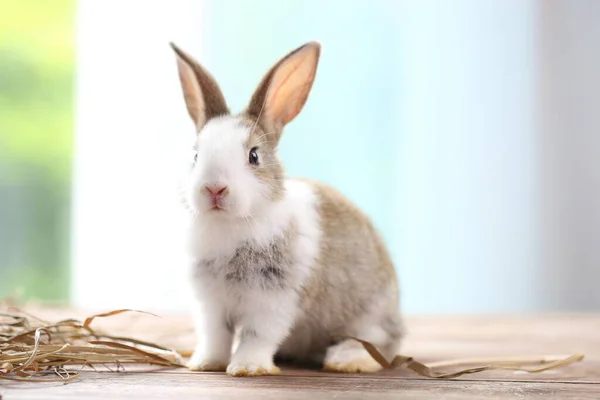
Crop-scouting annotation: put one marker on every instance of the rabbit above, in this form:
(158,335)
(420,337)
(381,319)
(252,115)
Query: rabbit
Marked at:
(287,268)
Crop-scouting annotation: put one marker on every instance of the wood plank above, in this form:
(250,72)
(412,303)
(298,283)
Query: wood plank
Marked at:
(217,386)
(429,339)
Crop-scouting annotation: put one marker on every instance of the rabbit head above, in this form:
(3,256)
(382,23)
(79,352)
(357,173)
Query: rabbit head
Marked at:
(236,171)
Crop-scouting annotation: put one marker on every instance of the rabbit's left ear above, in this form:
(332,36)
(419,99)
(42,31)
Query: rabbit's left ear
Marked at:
(284,89)
(203,97)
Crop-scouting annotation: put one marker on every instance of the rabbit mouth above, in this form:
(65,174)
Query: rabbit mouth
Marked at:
(216,208)
(216,204)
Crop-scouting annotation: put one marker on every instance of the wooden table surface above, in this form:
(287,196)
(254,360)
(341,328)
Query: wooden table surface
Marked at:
(429,339)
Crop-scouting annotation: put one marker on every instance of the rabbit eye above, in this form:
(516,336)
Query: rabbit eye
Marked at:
(253,156)
(195,157)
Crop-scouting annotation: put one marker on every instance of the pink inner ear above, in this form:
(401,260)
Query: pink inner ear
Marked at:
(284,79)
(191,91)
(290,86)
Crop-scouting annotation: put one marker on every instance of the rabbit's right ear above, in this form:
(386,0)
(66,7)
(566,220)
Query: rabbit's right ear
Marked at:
(202,95)
(284,90)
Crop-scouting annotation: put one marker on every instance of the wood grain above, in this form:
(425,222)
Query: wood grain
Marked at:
(213,386)
(430,339)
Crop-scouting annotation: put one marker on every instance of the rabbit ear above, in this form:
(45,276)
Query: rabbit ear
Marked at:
(203,97)
(284,89)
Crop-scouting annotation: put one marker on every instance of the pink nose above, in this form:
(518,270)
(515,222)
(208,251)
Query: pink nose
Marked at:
(216,190)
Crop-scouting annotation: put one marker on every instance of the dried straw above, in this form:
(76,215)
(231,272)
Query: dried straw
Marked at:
(524,364)
(34,350)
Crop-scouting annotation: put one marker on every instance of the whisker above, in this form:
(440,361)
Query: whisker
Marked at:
(268,165)
(259,115)
(258,139)
(262,136)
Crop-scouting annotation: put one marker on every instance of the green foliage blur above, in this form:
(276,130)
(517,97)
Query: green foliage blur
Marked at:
(37,68)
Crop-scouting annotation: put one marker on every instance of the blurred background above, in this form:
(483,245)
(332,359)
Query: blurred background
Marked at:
(468,129)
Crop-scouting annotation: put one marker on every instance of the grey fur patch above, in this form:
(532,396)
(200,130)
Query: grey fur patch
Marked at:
(250,266)
(204,266)
(264,267)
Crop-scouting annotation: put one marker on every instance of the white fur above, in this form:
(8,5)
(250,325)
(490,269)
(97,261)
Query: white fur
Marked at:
(222,161)
(250,217)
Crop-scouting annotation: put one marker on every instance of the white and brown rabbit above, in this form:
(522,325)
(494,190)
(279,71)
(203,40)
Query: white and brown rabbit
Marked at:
(285,265)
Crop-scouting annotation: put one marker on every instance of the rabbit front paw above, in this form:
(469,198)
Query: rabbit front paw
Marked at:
(199,362)
(251,369)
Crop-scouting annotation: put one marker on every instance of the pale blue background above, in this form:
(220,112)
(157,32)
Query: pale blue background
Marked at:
(410,100)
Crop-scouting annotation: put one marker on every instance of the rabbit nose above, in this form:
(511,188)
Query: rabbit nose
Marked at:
(216,190)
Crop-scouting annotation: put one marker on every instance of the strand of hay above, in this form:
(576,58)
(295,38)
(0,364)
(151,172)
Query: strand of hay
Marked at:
(524,364)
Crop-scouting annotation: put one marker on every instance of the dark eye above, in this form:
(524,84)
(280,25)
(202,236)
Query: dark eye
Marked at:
(195,157)
(253,156)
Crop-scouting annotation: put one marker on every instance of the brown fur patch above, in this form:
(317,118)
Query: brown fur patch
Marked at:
(269,169)
(354,278)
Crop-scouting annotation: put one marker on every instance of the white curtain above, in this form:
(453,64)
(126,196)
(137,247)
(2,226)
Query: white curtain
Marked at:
(131,141)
